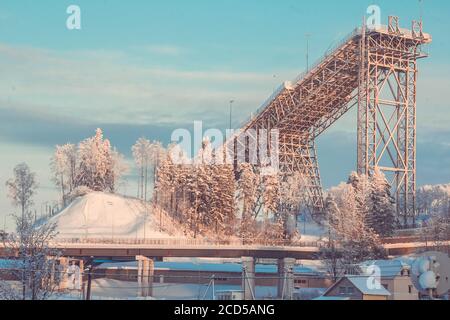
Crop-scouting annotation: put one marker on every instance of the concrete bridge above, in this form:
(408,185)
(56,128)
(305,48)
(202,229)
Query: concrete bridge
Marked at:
(128,249)
(146,251)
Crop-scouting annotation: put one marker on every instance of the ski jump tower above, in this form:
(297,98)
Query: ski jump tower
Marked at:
(374,69)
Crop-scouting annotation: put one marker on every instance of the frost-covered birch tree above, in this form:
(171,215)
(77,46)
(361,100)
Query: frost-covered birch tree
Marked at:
(64,165)
(141,155)
(34,261)
(22,187)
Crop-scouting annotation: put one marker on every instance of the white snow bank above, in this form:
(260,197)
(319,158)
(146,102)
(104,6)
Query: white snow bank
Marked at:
(102,215)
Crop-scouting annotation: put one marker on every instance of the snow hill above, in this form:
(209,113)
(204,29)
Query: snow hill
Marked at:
(102,215)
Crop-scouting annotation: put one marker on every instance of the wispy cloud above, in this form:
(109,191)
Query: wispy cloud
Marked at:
(104,85)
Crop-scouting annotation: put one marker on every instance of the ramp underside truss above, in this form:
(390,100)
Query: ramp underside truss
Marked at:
(374,69)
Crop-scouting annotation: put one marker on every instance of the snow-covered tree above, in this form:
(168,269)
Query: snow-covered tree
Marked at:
(437,230)
(199,194)
(64,165)
(382,213)
(292,195)
(271,194)
(118,168)
(157,154)
(98,164)
(331,254)
(433,199)
(22,187)
(348,222)
(333,258)
(248,196)
(141,153)
(35,261)
(362,187)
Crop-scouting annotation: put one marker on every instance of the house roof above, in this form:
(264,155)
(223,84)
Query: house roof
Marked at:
(325,298)
(388,268)
(361,283)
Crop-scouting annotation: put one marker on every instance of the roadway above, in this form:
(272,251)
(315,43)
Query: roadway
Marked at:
(130,251)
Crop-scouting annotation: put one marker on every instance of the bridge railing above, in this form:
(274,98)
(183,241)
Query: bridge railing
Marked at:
(300,77)
(328,53)
(183,242)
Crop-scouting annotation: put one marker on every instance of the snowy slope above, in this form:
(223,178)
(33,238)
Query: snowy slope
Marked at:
(102,215)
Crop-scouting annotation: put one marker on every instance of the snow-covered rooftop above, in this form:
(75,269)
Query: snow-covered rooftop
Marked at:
(324,298)
(362,284)
(388,268)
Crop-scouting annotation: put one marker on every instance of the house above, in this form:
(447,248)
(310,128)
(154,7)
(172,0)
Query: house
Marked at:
(229,295)
(395,276)
(356,288)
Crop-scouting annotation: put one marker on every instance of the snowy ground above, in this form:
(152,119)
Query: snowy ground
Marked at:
(106,216)
(311,231)
(102,215)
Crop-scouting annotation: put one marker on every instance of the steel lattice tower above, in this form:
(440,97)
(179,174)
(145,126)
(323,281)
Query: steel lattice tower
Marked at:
(387,109)
(374,69)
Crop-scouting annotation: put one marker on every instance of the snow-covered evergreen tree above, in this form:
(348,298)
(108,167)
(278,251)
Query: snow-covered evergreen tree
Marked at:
(292,195)
(248,197)
(271,194)
(437,230)
(382,213)
(432,200)
(362,187)
(99,165)
(348,223)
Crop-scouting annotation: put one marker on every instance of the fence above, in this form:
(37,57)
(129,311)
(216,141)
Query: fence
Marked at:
(173,242)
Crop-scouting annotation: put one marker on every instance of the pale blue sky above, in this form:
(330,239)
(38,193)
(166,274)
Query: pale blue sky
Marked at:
(147,67)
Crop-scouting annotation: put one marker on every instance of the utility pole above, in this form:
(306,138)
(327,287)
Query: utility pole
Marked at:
(89,284)
(307,35)
(274,83)
(89,270)
(231,112)
(421,10)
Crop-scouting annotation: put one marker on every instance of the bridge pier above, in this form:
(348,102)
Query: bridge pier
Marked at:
(286,278)
(60,275)
(146,270)
(248,278)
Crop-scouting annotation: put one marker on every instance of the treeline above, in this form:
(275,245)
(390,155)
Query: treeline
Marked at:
(213,199)
(358,213)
